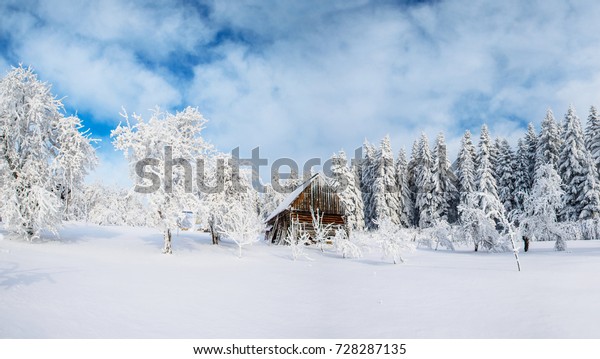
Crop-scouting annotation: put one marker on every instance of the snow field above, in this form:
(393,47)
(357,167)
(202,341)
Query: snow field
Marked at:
(113,282)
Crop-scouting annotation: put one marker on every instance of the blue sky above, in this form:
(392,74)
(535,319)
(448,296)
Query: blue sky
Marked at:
(303,79)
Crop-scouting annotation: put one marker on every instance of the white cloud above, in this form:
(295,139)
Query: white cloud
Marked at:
(303,79)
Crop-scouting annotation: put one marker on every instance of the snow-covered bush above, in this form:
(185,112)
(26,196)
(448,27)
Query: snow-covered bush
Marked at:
(297,241)
(482,222)
(43,155)
(441,234)
(242,225)
(107,206)
(393,240)
(345,245)
(322,232)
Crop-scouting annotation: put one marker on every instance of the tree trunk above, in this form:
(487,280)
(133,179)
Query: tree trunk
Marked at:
(168,249)
(526,246)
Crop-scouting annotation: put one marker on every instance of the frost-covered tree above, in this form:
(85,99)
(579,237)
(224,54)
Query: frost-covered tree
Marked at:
(592,139)
(445,192)
(109,206)
(345,184)
(161,152)
(531,142)
(577,172)
(426,206)
(269,200)
(367,182)
(393,240)
(505,172)
(406,210)
(549,142)
(522,188)
(227,186)
(539,219)
(465,166)
(385,189)
(411,172)
(344,245)
(44,156)
(483,208)
(485,181)
(241,224)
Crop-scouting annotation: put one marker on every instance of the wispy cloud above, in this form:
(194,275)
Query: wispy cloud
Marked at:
(306,78)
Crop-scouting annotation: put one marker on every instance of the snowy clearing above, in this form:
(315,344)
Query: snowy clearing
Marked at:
(113,282)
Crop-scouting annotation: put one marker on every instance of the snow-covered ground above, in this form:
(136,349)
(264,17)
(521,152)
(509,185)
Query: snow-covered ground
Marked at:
(113,282)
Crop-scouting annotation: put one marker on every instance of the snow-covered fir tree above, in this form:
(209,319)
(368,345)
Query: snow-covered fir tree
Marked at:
(592,139)
(426,206)
(43,155)
(549,142)
(481,212)
(531,142)
(445,192)
(161,152)
(367,181)
(385,197)
(406,210)
(465,165)
(411,172)
(484,180)
(577,172)
(539,219)
(345,184)
(521,189)
(505,173)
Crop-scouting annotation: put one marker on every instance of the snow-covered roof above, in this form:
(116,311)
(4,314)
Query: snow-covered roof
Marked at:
(287,202)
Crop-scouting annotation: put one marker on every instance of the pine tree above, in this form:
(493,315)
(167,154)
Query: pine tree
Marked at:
(592,139)
(541,207)
(522,189)
(531,140)
(506,176)
(445,193)
(344,182)
(465,166)
(406,205)
(425,204)
(385,189)
(367,183)
(549,142)
(577,172)
(412,180)
(485,181)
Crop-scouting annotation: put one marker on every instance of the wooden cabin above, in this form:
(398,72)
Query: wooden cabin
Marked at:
(313,196)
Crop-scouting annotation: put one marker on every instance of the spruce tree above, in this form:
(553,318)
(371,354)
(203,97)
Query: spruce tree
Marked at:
(412,180)
(385,189)
(549,142)
(592,139)
(577,172)
(531,140)
(445,193)
(406,206)
(367,182)
(506,176)
(521,188)
(425,204)
(465,165)
(349,193)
